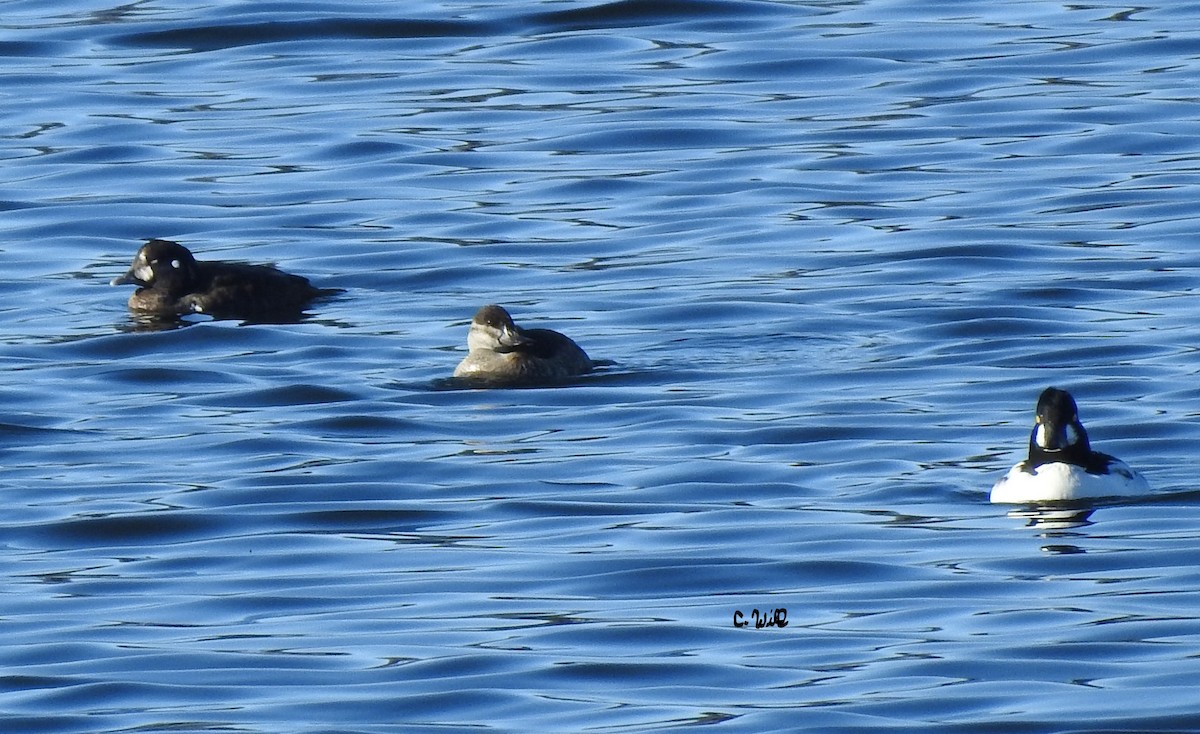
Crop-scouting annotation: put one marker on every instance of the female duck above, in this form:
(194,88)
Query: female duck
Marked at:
(171,282)
(502,353)
(1061,464)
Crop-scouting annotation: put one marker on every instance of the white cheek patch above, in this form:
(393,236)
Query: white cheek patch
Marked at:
(1043,438)
(175,264)
(145,273)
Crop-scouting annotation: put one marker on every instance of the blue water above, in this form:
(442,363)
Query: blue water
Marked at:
(830,253)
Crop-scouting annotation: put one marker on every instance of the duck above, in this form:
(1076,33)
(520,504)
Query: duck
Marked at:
(1061,466)
(502,353)
(172,282)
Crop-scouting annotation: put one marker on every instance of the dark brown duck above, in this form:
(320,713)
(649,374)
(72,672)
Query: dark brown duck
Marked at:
(171,282)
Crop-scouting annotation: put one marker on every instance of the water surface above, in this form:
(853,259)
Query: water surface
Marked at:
(829,252)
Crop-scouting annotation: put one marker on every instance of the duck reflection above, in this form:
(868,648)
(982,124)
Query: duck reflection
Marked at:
(1047,517)
(1058,523)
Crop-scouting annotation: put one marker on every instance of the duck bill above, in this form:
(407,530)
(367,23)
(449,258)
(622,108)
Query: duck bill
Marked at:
(511,338)
(131,277)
